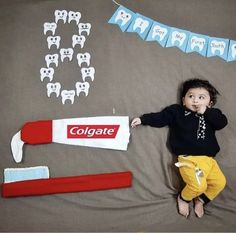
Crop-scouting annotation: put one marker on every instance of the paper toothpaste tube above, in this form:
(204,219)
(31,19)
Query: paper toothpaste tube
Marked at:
(108,132)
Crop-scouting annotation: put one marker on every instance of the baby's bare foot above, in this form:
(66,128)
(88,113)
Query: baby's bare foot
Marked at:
(198,208)
(183,207)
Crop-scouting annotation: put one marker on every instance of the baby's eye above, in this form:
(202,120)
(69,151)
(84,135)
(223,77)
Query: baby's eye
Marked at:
(190,96)
(201,97)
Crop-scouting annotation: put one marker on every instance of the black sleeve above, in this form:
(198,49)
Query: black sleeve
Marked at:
(160,119)
(215,118)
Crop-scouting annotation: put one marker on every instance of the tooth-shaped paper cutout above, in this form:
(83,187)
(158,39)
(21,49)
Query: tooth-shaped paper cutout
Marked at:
(82,87)
(140,24)
(53,88)
(66,53)
(197,43)
(68,95)
(49,27)
(123,16)
(232,51)
(88,72)
(178,38)
(218,47)
(60,15)
(84,27)
(159,33)
(46,73)
(78,40)
(51,59)
(83,58)
(53,40)
(74,16)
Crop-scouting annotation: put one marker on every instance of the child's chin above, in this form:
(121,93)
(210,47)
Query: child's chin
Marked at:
(193,109)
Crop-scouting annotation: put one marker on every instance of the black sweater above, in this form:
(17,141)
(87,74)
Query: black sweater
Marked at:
(190,133)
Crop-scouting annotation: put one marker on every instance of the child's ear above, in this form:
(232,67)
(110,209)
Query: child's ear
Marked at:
(210,104)
(183,102)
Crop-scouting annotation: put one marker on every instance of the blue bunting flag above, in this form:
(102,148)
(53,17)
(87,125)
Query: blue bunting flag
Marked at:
(140,25)
(159,32)
(122,17)
(232,51)
(197,43)
(178,38)
(218,47)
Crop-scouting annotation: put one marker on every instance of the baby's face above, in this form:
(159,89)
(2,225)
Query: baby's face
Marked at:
(196,98)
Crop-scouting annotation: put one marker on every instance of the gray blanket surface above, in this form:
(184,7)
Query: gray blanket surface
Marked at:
(132,77)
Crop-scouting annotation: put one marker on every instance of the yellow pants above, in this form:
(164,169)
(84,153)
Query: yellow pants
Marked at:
(202,176)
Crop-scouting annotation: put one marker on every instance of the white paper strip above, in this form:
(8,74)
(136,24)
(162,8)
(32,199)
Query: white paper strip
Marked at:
(103,132)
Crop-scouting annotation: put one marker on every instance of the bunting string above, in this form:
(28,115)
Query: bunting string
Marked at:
(118,4)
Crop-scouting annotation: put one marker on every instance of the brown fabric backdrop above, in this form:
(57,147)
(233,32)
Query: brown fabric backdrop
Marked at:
(132,77)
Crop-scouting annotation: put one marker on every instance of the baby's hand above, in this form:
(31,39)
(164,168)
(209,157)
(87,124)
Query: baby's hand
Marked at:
(201,109)
(135,122)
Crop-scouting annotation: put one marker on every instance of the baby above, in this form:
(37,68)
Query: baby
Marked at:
(192,139)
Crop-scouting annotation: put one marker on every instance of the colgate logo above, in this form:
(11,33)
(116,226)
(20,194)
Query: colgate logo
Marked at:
(92,131)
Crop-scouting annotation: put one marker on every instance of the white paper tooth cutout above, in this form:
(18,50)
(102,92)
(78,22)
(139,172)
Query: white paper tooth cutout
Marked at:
(74,16)
(179,37)
(51,59)
(60,15)
(84,27)
(66,53)
(218,46)
(53,88)
(78,40)
(49,27)
(141,24)
(82,87)
(197,42)
(83,58)
(159,31)
(53,40)
(233,48)
(123,16)
(46,73)
(68,95)
(88,72)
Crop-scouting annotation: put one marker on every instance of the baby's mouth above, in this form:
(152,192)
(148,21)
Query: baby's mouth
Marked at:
(195,107)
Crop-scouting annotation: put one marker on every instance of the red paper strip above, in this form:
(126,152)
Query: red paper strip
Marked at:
(37,132)
(83,183)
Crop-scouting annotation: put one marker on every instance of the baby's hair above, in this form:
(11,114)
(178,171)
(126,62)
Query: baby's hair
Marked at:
(200,83)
